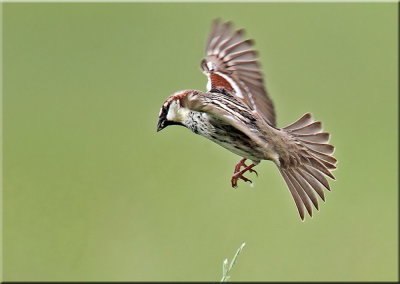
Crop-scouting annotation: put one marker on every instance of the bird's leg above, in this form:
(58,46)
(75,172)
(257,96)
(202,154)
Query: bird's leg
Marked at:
(238,174)
(239,165)
(242,163)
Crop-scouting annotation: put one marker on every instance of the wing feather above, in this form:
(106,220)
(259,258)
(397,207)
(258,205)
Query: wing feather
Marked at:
(233,58)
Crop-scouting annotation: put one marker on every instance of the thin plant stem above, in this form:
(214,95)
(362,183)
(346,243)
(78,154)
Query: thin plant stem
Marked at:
(225,268)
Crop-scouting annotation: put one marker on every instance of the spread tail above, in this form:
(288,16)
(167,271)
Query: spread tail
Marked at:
(305,169)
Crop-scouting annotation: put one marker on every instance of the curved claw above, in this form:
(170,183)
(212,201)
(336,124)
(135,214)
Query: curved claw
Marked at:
(234,182)
(245,179)
(253,171)
(239,174)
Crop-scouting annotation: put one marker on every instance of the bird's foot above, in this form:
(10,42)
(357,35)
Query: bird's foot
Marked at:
(242,163)
(238,174)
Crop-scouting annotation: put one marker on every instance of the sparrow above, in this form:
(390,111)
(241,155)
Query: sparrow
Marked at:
(237,113)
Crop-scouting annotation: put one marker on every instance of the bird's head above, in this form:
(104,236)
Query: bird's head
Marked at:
(172,111)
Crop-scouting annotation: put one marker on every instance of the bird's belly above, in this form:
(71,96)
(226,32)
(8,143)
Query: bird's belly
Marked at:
(228,137)
(241,150)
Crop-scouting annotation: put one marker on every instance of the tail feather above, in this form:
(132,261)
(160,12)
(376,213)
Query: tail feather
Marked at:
(306,168)
(329,166)
(319,147)
(312,128)
(303,121)
(318,176)
(324,157)
(313,183)
(301,192)
(297,200)
(321,137)
(316,164)
(306,187)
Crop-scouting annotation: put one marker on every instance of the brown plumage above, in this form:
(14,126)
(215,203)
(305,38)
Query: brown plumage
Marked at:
(237,113)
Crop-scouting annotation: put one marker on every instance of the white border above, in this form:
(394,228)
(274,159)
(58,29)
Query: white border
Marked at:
(205,1)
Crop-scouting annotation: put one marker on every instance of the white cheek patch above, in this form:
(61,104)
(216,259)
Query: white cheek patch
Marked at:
(173,112)
(177,113)
(171,115)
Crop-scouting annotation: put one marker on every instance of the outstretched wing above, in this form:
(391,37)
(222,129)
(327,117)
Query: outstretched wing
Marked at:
(231,66)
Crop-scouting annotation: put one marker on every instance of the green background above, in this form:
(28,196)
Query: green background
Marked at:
(92,192)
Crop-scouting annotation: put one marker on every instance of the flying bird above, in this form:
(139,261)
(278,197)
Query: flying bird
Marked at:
(237,113)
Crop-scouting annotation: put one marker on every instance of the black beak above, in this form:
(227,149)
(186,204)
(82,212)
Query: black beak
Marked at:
(162,119)
(161,124)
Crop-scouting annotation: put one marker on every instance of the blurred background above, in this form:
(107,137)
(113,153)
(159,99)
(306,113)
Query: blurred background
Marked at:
(92,192)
